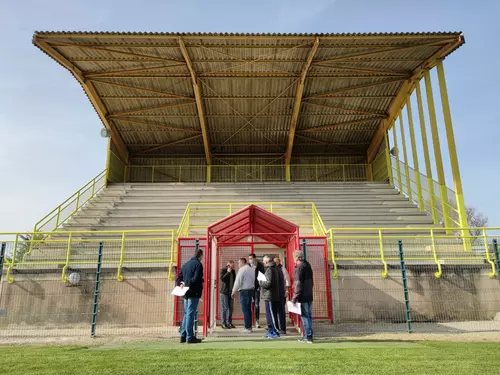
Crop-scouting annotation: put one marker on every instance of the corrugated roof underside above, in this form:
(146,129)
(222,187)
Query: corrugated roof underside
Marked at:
(248,84)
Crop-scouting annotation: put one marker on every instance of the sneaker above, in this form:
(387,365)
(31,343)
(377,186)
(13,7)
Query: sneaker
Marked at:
(257,325)
(248,330)
(282,333)
(194,340)
(231,325)
(183,340)
(266,335)
(302,341)
(224,326)
(309,341)
(273,336)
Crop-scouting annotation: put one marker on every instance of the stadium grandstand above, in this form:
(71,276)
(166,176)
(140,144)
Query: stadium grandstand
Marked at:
(258,143)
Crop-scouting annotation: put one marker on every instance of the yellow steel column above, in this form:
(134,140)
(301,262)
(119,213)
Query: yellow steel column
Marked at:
(427,159)
(405,156)
(388,160)
(209,173)
(437,151)
(414,153)
(398,167)
(287,173)
(452,149)
(108,161)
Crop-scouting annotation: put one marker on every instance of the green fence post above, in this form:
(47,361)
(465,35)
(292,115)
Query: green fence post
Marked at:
(405,285)
(2,258)
(96,290)
(497,257)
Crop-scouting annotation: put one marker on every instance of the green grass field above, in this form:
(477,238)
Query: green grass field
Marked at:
(256,357)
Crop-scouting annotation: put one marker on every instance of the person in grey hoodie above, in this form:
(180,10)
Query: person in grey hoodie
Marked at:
(245,284)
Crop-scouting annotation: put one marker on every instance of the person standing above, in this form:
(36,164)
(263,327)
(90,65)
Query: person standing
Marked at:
(271,297)
(303,293)
(191,276)
(227,276)
(258,267)
(284,282)
(245,284)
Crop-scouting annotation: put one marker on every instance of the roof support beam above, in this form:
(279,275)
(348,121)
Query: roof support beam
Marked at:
(386,50)
(298,101)
(199,102)
(353,88)
(369,71)
(91,93)
(130,113)
(170,144)
(404,92)
(148,57)
(121,72)
(166,127)
(166,94)
(327,127)
(357,111)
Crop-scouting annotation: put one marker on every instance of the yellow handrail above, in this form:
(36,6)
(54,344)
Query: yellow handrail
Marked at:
(56,212)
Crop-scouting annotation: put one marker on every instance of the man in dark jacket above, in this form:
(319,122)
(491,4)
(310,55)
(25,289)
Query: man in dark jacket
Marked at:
(270,291)
(303,293)
(259,267)
(227,277)
(191,276)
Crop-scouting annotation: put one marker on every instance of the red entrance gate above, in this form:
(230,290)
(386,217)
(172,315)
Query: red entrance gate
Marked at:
(244,232)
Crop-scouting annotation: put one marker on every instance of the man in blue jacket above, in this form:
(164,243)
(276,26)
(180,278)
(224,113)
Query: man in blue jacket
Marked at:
(191,276)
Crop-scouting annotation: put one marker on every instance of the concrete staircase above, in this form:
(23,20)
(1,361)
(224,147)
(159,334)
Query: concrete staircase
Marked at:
(161,206)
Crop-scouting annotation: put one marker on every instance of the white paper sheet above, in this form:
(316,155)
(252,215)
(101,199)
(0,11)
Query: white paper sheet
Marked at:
(294,308)
(180,292)
(261,277)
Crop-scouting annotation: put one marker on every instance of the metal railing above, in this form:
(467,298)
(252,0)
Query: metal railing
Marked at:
(424,195)
(59,215)
(431,245)
(245,173)
(198,216)
(78,249)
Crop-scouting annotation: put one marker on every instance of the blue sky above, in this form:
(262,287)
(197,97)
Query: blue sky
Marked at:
(50,143)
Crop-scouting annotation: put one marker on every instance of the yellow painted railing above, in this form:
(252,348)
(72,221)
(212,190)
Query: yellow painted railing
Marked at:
(431,245)
(55,218)
(79,249)
(245,173)
(442,210)
(198,216)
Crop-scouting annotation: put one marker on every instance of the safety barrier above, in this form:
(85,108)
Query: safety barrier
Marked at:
(245,173)
(429,245)
(78,248)
(198,216)
(59,215)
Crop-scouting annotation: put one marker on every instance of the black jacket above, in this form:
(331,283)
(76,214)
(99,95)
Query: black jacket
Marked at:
(227,281)
(192,276)
(270,290)
(303,283)
(281,281)
(258,268)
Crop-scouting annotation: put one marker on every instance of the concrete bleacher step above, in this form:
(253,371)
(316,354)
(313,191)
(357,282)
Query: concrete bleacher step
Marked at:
(161,206)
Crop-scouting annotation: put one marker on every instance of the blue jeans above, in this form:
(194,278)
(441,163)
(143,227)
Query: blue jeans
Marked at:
(227,308)
(190,308)
(306,310)
(246,306)
(272,316)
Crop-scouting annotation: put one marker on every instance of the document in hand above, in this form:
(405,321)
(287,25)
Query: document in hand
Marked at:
(261,276)
(293,308)
(180,292)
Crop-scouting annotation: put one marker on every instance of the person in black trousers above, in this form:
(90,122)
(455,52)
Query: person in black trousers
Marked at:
(227,277)
(271,297)
(259,267)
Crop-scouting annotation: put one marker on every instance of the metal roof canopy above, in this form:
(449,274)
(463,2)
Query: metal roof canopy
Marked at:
(256,222)
(210,94)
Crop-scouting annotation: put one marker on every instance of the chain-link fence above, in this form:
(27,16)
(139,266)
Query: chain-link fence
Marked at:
(360,291)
